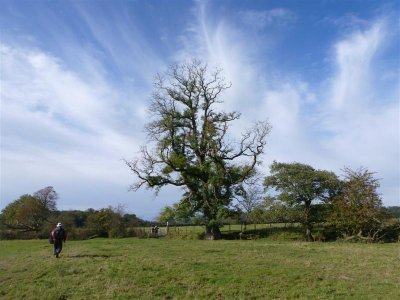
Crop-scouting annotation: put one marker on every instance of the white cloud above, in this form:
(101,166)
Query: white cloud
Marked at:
(349,22)
(125,47)
(267,18)
(56,126)
(36,81)
(69,125)
(346,124)
(354,57)
(221,45)
(361,115)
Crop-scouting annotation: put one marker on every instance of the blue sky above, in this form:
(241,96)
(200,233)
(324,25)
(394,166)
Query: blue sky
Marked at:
(76,77)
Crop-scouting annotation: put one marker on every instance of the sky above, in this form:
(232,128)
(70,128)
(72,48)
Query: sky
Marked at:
(76,78)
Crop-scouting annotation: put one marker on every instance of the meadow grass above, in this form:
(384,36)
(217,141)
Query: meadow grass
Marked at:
(164,268)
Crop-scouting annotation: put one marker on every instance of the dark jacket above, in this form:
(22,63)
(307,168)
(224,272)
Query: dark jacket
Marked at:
(61,235)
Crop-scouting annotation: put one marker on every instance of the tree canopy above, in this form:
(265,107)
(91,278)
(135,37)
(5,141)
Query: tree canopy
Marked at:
(179,213)
(30,212)
(300,184)
(191,146)
(357,210)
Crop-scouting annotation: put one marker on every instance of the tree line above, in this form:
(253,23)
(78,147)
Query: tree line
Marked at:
(348,208)
(33,216)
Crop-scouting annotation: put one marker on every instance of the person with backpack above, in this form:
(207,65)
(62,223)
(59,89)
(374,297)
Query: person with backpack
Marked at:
(57,237)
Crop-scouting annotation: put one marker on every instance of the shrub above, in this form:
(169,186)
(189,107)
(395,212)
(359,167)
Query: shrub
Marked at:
(136,232)
(389,233)
(7,234)
(80,233)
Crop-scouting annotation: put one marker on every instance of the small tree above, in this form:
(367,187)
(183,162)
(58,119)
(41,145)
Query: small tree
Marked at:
(167,214)
(302,185)
(248,198)
(106,223)
(357,210)
(30,212)
(257,215)
(47,197)
(131,220)
(178,213)
(280,212)
(190,143)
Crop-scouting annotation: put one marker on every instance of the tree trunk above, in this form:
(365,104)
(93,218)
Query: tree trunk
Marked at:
(212,233)
(307,222)
(309,236)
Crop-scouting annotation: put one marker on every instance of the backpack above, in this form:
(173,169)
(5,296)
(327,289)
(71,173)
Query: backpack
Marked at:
(58,234)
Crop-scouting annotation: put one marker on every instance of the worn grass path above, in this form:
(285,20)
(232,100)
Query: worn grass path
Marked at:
(193,269)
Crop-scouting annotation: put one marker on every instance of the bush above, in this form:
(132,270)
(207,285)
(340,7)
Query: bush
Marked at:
(79,233)
(7,234)
(327,233)
(390,233)
(136,232)
(116,233)
(387,232)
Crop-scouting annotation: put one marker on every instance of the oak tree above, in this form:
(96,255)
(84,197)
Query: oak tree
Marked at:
(190,145)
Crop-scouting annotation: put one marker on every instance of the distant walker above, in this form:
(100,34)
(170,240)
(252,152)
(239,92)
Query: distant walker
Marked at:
(58,235)
(154,231)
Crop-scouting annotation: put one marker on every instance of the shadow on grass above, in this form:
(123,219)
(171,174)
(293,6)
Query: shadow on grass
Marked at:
(284,233)
(89,256)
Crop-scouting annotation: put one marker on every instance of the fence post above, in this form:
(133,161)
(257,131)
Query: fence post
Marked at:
(167,227)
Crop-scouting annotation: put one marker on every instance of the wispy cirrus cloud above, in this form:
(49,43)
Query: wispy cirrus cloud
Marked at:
(220,44)
(57,125)
(362,114)
(354,122)
(348,23)
(342,122)
(273,17)
(73,105)
(354,56)
(128,50)
(74,94)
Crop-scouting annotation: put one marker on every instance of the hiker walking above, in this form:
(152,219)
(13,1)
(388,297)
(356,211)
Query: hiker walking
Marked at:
(58,236)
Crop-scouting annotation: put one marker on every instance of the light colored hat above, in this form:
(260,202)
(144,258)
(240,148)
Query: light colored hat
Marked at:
(59,224)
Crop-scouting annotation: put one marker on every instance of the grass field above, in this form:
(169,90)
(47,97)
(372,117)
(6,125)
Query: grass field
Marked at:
(194,269)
